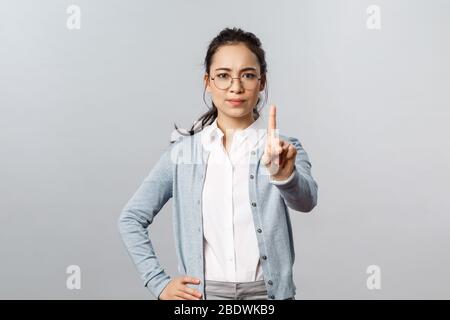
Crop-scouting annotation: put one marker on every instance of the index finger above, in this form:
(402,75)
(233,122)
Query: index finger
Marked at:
(272,124)
(272,118)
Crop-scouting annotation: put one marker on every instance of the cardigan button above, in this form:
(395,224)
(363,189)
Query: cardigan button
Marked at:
(264,257)
(272,297)
(270,282)
(254,204)
(252,176)
(259,230)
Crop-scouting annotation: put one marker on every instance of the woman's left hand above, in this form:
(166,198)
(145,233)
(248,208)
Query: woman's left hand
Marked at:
(279,155)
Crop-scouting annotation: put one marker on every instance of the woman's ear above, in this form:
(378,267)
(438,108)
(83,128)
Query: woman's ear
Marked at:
(206,83)
(262,84)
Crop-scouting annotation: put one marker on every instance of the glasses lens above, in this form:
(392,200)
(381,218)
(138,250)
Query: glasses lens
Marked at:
(222,81)
(249,81)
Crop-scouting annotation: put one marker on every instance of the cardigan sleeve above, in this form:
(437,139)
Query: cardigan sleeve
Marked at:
(280,182)
(155,190)
(300,190)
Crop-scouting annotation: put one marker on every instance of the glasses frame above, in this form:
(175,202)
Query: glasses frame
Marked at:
(231,83)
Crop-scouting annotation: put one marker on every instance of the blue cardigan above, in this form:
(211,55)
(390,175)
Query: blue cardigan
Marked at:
(180,173)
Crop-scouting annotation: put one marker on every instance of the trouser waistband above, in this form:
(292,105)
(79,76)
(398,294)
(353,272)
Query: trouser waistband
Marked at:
(235,290)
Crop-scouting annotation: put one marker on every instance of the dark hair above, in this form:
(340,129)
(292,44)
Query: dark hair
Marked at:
(226,37)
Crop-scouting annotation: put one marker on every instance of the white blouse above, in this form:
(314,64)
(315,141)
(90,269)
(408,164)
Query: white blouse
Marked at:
(230,246)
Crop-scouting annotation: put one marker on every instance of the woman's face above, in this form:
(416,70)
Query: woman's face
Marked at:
(234,61)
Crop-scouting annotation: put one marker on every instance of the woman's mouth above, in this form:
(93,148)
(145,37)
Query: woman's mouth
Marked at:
(235,102)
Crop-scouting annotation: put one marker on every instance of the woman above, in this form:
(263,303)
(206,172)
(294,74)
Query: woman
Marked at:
(231,179)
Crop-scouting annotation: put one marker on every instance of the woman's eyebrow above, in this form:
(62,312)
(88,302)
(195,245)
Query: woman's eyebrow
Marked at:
(243,69)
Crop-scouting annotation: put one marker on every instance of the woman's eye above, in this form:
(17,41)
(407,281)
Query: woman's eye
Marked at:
(223,75)
(249,75)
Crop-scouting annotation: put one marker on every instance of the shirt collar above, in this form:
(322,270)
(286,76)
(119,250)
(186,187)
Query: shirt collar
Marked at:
(254,133)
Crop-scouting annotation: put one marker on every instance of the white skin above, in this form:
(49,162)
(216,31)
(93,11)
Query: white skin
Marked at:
(279,155)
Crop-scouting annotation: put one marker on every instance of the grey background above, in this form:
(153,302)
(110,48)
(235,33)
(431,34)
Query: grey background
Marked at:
(85,114)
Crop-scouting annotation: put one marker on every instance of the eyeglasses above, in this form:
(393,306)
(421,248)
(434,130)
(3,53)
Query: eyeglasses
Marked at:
(224,81)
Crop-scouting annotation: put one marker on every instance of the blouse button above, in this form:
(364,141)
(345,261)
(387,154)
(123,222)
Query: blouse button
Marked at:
(252,176)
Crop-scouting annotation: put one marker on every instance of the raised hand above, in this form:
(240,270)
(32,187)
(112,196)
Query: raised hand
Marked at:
(279,155)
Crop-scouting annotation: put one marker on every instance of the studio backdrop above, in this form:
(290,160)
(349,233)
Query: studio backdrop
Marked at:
(90,92)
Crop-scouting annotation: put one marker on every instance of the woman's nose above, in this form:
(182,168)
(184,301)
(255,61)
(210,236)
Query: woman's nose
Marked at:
(236,85)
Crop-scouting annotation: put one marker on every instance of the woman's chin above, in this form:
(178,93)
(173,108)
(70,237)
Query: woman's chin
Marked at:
(238,112)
